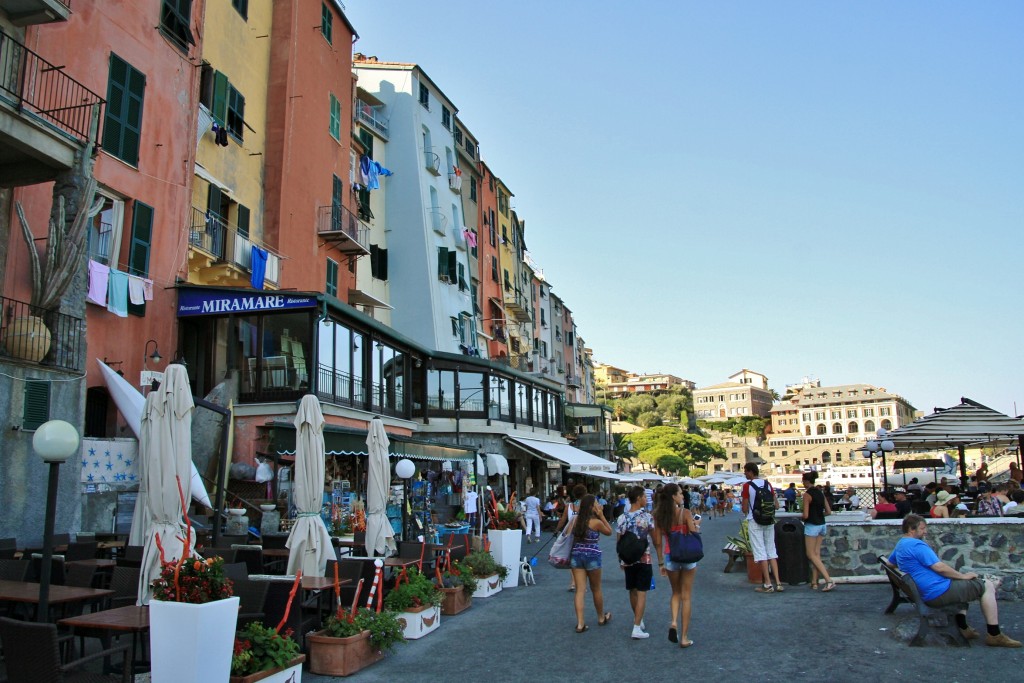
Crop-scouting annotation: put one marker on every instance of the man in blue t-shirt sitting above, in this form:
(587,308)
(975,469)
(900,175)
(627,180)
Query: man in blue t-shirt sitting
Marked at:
(940,585)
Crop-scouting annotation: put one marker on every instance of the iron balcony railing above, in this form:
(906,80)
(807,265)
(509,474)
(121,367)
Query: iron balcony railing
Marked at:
(34,85)
(373,116)
(335,219)
(224,242)
(36,335)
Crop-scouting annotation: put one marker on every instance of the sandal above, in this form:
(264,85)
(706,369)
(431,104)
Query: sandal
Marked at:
(672,636)
(779,588)
(607,618)
(764,589)
(828,587)
(581,630)
(685,643)
(814,586)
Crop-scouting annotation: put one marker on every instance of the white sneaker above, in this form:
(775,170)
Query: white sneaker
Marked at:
(639,633)
(643,627)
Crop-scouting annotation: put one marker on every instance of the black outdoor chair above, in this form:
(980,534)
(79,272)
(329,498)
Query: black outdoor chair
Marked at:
(81,550)
(252,555)
(236,571)
(300,618)
(228,554)
(124,581)
(32,652)
(251,597)
(14,570)
(8,548)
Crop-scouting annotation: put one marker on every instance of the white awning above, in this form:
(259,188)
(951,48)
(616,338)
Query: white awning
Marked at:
(577,460)
(600,475)
(496,464)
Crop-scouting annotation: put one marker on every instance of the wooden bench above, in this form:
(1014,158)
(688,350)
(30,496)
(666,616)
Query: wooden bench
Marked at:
(733,552)
(931,619)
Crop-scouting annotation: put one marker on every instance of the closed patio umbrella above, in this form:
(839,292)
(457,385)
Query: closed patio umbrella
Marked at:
(309,543)
(166,447)
(379,535)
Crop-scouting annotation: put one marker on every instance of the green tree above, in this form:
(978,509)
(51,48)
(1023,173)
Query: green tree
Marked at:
(648,419)
(671,464)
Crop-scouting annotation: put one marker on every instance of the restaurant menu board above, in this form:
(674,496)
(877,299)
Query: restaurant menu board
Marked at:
(125,512)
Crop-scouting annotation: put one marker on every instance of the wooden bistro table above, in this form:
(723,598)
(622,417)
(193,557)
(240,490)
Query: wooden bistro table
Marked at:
(105,625)
(24,592)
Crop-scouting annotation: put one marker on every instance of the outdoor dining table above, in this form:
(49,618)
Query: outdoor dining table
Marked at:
(98,563)
(25,592)
(105,625)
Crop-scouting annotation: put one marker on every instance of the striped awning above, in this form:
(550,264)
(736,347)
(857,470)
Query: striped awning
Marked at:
(966,424)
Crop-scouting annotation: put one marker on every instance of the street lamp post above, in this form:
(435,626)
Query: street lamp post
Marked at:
(884,446)
(55,441)
(404,470)
(871,464)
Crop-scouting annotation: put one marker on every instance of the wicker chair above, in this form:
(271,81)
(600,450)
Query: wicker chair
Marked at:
(124,581)
(32,653)
(14,570)
(252,555)
(8,547)
(82,550)
(251,596)
(227,553)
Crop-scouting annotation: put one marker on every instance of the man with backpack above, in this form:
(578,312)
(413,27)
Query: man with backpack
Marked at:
(633,547)
(759,505)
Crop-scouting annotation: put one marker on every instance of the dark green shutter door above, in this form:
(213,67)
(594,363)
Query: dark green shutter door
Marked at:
(442,262)
(132,134)
(220,98)
(243,221)
(453,262)
(112,126)
(382,264)
(37,404)
(215,200)
(142,236)
(367,139)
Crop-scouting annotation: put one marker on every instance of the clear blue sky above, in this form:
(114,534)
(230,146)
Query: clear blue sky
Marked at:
(831,189)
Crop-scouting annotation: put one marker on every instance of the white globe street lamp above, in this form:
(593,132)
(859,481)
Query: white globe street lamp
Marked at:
(55,441)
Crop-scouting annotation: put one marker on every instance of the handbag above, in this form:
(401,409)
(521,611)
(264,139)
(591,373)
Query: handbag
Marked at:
(685,547)
(561,549)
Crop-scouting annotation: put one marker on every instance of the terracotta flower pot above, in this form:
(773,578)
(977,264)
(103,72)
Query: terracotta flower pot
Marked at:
(27,338)
(341,656)
(455,600)
(292,673)
(753,570)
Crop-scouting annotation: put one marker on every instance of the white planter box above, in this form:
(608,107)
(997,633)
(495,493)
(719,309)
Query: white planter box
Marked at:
(505,548)
(192,643)
(487,586)
(418,624)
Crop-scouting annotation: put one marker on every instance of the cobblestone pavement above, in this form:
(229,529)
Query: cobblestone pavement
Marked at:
(527,634)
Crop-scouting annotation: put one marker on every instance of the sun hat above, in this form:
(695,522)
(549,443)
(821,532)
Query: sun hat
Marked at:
(943,497)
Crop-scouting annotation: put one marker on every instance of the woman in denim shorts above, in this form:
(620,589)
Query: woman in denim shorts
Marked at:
(671,514)
(815,507)
(585,559)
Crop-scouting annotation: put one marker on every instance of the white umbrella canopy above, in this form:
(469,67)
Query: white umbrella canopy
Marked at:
(309,543)
(690,481)
(166,448)
(380,538)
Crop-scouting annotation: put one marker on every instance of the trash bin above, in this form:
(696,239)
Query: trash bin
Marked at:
(794,568)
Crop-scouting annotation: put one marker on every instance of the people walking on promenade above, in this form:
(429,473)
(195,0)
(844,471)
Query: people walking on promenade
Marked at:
(638,574)
(940,585)
(815,507)
(585,559)
(532,505)
(671,514)
(759,505)
(572,506)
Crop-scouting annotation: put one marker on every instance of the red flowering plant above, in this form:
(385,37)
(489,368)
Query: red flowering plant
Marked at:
(190,579)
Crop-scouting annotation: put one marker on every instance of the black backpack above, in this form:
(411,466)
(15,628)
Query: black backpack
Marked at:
(630,547)
(763,507)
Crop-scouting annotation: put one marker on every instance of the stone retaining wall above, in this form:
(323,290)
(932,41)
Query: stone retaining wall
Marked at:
(982,545)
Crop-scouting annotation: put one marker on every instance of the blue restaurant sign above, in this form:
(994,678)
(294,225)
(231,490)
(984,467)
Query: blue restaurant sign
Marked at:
(220,302)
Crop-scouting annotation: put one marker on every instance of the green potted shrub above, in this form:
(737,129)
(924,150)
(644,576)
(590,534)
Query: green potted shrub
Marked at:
(263,654)
(488,573)
(742,542)
(418,602)
(458,585)
(351,642)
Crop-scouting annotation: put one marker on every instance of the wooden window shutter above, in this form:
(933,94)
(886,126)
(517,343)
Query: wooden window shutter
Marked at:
(37,404)
(220,98)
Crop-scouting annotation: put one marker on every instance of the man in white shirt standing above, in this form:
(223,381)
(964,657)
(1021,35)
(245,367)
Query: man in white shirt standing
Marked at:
(532,505)
(762,536)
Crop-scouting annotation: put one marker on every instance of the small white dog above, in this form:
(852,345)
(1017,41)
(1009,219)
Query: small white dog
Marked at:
(526,572)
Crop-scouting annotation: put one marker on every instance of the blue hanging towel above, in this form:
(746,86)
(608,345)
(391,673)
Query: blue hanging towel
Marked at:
(259,266)
(117,293)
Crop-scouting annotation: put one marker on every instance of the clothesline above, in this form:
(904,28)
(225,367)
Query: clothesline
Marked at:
(115,289)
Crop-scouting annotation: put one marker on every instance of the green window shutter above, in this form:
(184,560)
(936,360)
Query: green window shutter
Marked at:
(122,122)
(236,112)
(220,98)
(142,236)
(335,118)
(453,262)
(215,201)
(442,262)
(462,278)
(332,277)
(374,258)
(37,404)
(243,220)
(382,264)
(367,139)
(327,23)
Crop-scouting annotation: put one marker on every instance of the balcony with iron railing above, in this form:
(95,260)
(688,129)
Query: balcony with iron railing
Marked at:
(30,334)
(518,361)
(372,116)
(432,161)
(45,115)
(342,229)
(517,305)
(32,12)
(221,254)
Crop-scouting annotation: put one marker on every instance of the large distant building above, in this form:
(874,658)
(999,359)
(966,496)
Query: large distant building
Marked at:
(646,384)
(746,394)
(839,413)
